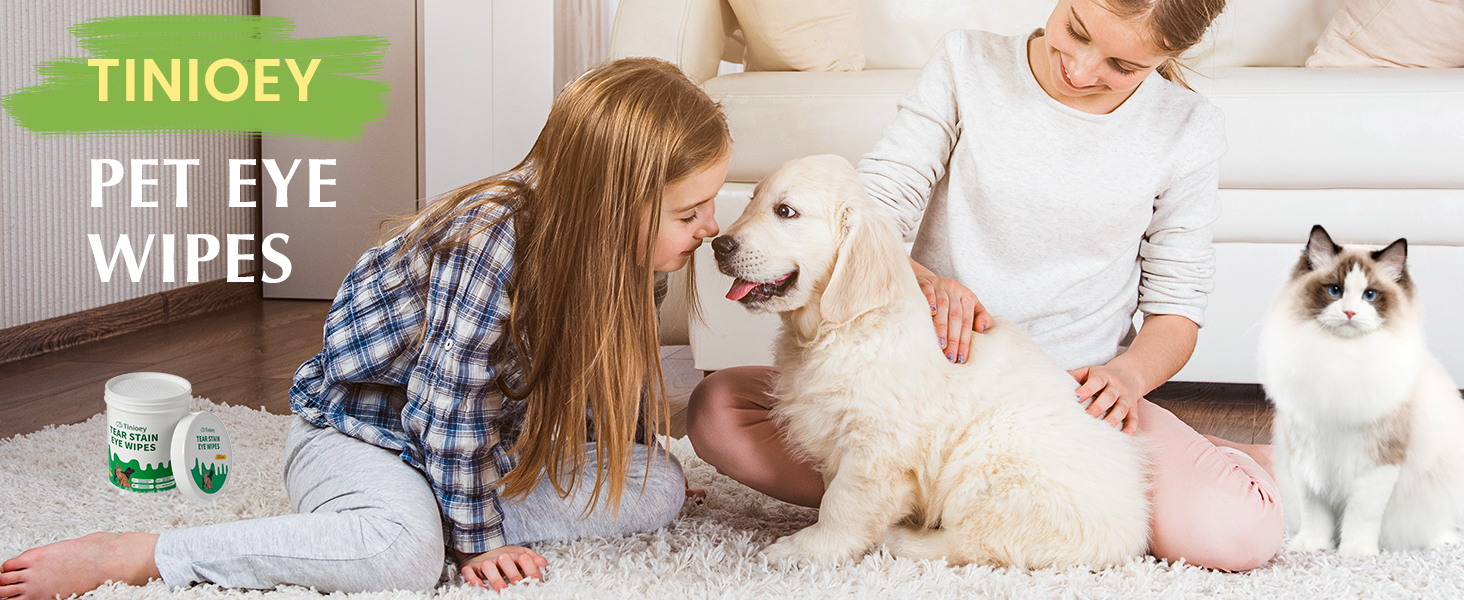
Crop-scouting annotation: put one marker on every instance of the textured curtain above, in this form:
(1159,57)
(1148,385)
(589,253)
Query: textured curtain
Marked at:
(581,36)
(47,267)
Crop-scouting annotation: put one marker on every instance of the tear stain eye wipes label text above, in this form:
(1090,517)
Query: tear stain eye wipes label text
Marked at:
(140,441)
(207,442)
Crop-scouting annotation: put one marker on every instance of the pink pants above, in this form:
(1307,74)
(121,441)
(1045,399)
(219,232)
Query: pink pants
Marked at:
(1214,507)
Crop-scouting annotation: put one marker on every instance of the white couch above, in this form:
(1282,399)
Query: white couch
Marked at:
(1371,154)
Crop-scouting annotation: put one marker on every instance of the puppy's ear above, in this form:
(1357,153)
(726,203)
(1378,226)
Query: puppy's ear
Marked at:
(866,272)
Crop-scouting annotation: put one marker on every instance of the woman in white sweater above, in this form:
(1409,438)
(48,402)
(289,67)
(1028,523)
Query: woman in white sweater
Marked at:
(1069,178)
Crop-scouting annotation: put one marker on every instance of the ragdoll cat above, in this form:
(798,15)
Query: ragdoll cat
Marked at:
(1369,428)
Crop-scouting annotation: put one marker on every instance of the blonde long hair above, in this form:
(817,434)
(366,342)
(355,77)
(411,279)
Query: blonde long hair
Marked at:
(1174,26)
(586,206)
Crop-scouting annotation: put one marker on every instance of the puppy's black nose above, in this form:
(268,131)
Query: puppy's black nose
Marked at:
(723,246)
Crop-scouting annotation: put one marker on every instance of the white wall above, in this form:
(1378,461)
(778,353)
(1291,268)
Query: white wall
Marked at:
(487,83)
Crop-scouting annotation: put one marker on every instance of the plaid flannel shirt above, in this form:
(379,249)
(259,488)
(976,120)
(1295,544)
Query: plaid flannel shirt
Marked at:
(435,403)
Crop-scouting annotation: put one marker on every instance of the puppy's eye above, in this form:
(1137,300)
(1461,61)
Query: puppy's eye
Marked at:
(1334,291)
(1370,295)
(785,212)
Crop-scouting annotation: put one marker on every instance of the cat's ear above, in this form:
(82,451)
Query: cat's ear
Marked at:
(1393,260)
(1320,249)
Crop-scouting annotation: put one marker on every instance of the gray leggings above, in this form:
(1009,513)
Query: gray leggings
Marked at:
(366,521)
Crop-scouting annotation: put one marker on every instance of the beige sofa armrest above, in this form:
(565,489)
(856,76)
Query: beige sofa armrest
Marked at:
(690,33)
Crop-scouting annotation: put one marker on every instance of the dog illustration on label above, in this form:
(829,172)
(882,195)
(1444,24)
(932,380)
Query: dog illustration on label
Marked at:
(123,477)
(210,478)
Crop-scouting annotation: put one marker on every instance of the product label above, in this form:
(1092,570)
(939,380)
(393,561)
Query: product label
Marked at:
(138,457)
(208,474)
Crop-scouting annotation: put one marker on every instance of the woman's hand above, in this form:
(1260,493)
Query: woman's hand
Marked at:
(1115,392)
(1160,350)
(955,311)
(501,567)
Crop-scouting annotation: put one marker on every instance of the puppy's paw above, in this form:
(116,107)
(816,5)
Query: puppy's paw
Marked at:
(1447,537)
(812,544)
(1310,542)
(783,549)
(1358,548)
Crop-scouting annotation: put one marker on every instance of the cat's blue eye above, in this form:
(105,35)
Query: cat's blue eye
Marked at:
(1370,295)
(1335,291)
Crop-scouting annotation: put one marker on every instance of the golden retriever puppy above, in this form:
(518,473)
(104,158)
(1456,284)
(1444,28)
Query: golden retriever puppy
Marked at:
(991,462)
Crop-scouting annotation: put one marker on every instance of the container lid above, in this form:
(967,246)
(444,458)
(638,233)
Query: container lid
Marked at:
(201,456)
(149,390)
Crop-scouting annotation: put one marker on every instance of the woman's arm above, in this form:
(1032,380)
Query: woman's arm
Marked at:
(910,158)
(904,167)
(1177,253)
(1161,349)
(1177,264)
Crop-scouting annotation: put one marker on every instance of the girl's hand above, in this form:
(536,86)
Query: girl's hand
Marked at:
(1115,394)
(691,492)
(955,310)
(501,567)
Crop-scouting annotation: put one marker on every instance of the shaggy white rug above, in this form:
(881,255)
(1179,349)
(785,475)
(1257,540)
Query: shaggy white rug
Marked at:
(53,485)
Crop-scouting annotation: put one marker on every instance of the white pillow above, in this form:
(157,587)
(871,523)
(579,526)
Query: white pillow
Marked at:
(802,35)
(1393,33)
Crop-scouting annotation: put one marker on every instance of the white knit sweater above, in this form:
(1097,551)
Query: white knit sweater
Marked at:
(1063,221)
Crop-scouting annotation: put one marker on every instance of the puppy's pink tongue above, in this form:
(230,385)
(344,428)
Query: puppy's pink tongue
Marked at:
(739,289)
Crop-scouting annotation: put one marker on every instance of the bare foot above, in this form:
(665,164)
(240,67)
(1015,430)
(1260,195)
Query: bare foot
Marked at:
(1263,454)
(79,566)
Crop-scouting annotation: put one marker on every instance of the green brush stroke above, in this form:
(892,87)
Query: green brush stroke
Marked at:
(339,105)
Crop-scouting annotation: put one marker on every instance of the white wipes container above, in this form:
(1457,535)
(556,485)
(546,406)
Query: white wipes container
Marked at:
(142,411)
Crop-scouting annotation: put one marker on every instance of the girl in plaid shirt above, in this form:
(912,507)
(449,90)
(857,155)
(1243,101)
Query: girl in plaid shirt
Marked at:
(490,376)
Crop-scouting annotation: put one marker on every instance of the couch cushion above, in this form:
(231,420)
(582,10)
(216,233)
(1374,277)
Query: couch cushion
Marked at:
(1340,128)
(775,116)
(1428,217)
(1287,127)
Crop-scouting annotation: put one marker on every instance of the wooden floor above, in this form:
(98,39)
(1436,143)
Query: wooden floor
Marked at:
(247,354)
(242,355)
